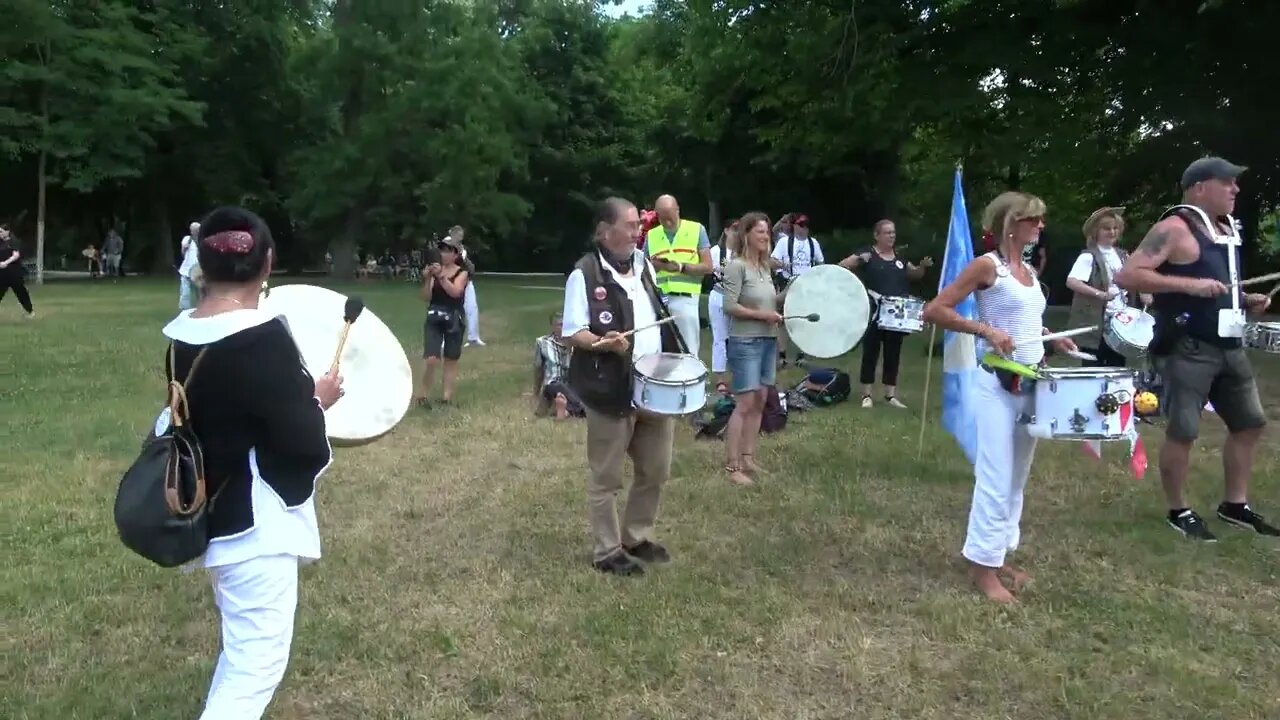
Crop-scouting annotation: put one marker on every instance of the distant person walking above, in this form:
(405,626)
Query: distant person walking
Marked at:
(188,293)
(12,273)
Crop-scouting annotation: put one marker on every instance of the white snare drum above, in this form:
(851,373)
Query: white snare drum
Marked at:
(903,314)
(1264,336)
(1075,403)
(1129,332)
(669,384)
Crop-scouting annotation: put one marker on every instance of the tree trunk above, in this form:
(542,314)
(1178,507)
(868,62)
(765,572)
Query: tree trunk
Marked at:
(42,180)
(344,249)
(162,262)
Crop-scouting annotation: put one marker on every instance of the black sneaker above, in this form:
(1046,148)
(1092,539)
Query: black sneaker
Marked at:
(1242,516)
(1189,523)
(649,552)
(618,564)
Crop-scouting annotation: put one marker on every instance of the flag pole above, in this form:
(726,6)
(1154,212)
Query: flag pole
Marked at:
(924,403)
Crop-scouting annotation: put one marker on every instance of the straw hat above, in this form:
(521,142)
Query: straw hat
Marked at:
(1091,224)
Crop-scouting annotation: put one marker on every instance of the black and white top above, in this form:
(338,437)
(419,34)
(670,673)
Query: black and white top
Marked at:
(253,406)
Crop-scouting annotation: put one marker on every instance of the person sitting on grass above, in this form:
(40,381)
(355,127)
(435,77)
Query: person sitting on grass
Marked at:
(551,375)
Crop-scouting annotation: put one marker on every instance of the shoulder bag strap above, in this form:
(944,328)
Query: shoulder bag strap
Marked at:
(179,406)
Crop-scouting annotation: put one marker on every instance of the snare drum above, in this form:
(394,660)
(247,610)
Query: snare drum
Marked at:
(1264,336)
(901,314)
(1074,403)
(669,384)
(1129,332)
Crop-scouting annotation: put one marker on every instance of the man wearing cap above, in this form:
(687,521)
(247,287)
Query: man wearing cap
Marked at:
(795,255)
(681,254)
(1190,261)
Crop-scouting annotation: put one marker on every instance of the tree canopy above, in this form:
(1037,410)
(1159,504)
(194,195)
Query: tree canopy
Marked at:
(363,127)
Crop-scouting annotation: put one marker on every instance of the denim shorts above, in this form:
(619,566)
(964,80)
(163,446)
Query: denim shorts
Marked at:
(753,362)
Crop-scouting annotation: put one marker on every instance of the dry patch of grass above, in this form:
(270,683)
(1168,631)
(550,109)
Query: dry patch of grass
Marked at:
(455,581)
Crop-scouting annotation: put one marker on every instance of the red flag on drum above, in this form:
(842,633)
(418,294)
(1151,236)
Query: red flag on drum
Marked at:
(1137,450)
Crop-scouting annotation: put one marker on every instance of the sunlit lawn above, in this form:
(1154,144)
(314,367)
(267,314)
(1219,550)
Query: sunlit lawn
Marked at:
(456,584)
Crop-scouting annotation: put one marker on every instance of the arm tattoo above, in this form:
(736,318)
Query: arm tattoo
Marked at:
(1155,241)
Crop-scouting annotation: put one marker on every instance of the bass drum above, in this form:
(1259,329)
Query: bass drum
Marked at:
(377,377)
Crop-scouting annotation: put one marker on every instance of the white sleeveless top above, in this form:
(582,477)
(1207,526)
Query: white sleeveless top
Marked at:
(1016,309)
(718,266)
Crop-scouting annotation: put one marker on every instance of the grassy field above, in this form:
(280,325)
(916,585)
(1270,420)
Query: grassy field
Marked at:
(456,583)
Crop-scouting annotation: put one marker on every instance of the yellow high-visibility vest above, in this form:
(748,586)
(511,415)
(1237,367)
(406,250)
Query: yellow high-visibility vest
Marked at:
(683,249)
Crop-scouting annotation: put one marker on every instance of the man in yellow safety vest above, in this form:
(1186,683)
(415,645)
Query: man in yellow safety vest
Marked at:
(681,255)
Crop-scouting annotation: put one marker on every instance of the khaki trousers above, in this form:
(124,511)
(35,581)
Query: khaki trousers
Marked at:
(647,439)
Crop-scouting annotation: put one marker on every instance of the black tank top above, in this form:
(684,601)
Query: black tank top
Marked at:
(1198,315)
(441,298)
(886,277)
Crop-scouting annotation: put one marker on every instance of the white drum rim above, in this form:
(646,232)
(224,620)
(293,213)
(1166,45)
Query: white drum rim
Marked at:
(650,380)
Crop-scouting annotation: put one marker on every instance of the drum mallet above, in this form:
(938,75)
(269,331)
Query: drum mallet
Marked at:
(350,312)
(629,333)
(811,317)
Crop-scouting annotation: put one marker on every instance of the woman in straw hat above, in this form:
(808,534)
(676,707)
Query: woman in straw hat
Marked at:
(1010,323)
(1091,280)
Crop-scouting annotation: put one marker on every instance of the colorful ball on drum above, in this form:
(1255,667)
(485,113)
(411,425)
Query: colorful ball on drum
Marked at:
(1146,403)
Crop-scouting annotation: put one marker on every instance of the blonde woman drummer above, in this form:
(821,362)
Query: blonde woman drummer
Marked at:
(1095,294)
(751,302)
(1010,322)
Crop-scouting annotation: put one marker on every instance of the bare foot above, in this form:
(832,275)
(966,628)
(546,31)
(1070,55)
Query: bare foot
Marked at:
(749,464)
(737,477)
(986,580)
(1015,575)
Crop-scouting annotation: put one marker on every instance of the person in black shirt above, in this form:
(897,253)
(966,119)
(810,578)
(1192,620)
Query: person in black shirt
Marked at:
(12,273)
(260,418)
(444,288)
(1187,261)
(884,276)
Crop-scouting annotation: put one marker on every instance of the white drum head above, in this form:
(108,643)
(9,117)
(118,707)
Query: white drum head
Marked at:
(671,368)
(375,371)
(840,300)
(1134,326)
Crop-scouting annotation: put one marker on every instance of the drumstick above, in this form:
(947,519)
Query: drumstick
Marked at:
(1063,334)
(631,332)
(350,312)
(1254,281)
(1273,292)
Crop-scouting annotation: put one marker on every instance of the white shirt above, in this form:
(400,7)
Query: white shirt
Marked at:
(190,256)
(576,315)
(715,264)
(1016,309)
(794,267)
(1083,268)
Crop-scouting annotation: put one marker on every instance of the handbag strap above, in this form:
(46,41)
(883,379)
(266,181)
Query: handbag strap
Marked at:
(179,406)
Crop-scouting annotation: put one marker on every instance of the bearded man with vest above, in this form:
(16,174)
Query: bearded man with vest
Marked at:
(610,292)
(1190,262)
(681,254)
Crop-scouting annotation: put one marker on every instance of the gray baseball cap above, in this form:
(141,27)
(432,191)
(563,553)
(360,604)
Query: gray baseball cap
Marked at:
(1210,168)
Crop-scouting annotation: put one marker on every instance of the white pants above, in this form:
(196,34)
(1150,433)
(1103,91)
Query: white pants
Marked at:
(188,293)
(719,332)
(472,310)
(685,310)
(257,599)
(1004,456)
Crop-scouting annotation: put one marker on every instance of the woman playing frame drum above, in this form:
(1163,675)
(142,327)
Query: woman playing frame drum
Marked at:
(1010,322)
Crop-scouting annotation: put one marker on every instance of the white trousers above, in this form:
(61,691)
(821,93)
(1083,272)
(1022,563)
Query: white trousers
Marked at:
(257,600)
(719,332)
(472,310)
(1004,456)
(685,310)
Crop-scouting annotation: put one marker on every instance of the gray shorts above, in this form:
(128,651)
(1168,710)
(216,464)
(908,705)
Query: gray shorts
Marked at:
(1197,371)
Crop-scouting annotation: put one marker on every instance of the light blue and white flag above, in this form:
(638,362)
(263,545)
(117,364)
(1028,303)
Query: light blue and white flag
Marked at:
(959,352)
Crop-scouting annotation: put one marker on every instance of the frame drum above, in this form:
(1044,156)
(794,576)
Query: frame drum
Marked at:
(375,371)
(840,300)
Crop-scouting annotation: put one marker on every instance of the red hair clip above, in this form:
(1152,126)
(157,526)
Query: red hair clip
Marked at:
(236,242)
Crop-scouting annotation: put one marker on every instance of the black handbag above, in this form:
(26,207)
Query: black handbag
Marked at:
(161,508)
